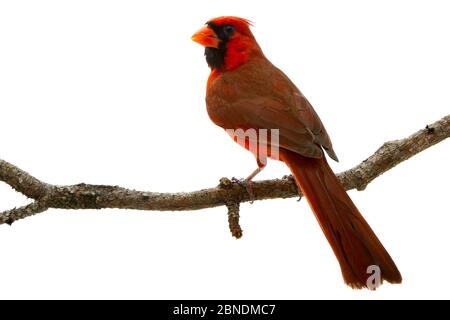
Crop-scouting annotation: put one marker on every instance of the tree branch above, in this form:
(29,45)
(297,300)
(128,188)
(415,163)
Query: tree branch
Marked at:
(227,193)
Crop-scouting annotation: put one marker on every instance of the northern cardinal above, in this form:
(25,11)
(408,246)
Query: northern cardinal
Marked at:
(246,91)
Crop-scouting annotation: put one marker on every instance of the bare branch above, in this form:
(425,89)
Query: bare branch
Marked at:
(15,214)
(228,193)
(21,181)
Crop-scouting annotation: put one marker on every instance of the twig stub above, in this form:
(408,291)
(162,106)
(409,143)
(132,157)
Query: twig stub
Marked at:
(233,219)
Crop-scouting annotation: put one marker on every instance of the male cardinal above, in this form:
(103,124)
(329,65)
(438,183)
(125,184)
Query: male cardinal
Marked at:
(246,91)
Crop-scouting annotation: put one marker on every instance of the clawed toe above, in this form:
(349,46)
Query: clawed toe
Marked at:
(248,185)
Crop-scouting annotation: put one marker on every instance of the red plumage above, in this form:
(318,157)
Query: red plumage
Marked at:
(246,91)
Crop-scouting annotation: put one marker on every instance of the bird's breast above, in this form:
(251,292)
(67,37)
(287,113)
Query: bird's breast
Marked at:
(226,91)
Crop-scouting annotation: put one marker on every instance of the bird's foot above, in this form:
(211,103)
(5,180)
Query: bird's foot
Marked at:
(248,185)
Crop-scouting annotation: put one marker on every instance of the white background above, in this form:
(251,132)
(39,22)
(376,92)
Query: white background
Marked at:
(112,92)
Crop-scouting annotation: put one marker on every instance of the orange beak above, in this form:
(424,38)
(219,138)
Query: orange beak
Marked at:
(206,37)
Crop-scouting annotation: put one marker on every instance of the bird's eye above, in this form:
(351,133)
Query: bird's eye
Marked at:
(228,29)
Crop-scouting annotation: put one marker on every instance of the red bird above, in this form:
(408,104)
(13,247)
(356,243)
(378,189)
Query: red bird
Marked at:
(246,91)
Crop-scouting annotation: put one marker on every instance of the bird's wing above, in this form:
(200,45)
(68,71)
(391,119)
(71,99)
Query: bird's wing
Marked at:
(301,109)
(269,100)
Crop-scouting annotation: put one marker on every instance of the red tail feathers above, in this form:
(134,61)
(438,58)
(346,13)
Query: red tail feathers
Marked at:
(354,243)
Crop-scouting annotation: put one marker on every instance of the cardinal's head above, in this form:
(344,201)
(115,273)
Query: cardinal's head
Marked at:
(228,42)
